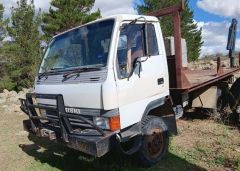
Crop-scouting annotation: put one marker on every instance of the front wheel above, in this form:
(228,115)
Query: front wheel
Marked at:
(154,141)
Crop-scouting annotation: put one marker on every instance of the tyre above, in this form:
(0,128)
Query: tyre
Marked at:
(234,101)
(154,141)
(234,97)
(223,100)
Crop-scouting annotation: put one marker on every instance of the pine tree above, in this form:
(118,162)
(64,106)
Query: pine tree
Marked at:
(2,32)
(66,14)
(24,51)
(190,30)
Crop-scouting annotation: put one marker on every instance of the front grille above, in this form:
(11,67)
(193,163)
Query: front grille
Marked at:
(75,123)
(43,115)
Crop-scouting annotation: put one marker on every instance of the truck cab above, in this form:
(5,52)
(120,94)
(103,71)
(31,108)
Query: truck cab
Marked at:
(110,64)
(98,84)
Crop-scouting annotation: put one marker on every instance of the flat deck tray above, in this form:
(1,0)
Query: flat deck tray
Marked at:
(201,78)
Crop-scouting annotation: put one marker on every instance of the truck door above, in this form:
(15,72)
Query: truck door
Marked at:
(137,86)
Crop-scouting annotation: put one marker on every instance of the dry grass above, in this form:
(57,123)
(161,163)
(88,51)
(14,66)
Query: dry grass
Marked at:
(211,145)
(200,145)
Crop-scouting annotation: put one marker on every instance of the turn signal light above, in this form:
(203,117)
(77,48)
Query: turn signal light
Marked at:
(114,123)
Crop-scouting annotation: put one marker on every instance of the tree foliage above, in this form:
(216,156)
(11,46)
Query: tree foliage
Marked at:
(66,14)
(2,30)
(2,68)
(190,30)
(23,53)
(20,56)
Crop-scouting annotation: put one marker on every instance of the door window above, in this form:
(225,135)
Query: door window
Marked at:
(152,41)
(131,46)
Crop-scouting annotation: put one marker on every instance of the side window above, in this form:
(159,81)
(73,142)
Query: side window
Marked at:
(130,47)
(152,41)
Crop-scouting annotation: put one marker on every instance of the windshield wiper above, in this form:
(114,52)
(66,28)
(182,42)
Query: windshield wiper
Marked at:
(77,71)
(45,73)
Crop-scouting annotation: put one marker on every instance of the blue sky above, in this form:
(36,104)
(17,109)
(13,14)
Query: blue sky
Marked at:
(201,15)
(213,16)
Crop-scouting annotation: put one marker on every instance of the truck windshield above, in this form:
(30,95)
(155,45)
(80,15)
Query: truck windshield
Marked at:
(86,46)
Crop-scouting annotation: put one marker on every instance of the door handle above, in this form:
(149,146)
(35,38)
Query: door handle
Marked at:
(160,81)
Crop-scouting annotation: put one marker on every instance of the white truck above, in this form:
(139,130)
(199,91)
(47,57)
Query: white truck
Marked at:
(109,83)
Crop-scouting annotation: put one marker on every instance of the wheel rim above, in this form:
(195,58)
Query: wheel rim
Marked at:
(155,143)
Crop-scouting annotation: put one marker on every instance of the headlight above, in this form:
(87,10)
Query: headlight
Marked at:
(112,123)
(101,122)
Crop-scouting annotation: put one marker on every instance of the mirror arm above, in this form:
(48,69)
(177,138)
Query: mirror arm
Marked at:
(140,68)
(135,62)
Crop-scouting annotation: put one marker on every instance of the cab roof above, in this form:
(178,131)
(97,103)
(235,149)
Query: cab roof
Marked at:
(127,17)
(119,18)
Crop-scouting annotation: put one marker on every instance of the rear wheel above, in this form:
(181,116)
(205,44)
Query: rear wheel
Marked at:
(234,99)
(154,142)
(222,101)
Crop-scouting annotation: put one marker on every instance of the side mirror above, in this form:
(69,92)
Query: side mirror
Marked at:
(137,62)
(43,48)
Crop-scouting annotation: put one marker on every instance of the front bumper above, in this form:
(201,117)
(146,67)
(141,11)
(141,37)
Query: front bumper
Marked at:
(93,141)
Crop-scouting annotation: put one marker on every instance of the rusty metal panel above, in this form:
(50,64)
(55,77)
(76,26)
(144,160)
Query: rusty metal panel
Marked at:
(178,48)
(219,67)
(172,71)
(168,10)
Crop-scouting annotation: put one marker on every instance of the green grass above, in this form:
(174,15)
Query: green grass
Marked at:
(55,157)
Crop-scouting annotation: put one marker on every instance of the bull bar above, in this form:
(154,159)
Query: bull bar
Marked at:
(95,141)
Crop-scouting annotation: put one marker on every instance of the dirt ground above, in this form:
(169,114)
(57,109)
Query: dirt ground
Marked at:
(202,144)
